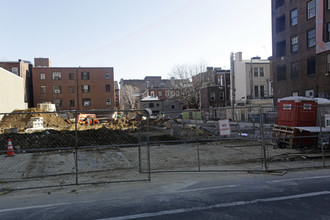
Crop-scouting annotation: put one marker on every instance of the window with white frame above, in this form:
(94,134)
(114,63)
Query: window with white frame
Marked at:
(166,93)
(108,101)
(311,9)
(107,76)
(85,75)
(57,75)
(85,88)
(311,38)
(15,70)
(255,71)
(57,89)
(152,93)
(86,102)
(43,89)
(42,76)
(71,89)
(222,96)
(212,96)
(58,102)
(294,17)
(262,71)
(160,93)
(294,44)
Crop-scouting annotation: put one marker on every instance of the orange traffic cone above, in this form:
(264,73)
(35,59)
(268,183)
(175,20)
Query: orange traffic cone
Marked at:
(10,151)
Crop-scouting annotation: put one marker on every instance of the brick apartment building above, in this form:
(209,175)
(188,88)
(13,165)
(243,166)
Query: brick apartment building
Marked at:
(214,87)
(73,88)
(22,69)
(301,48)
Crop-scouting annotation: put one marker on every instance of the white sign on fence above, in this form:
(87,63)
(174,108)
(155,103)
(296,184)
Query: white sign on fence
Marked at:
(224,127)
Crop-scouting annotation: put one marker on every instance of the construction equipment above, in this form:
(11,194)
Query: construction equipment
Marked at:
(89,119)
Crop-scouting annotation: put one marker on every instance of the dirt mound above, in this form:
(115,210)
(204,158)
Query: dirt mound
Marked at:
(20,118)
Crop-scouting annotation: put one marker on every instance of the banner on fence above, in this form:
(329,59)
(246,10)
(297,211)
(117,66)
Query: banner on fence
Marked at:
(224,127)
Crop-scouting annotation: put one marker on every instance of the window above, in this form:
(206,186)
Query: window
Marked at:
(212,96)
(173,106)
(72,103)
(108,101)
(71,76)
(328,63)
(309,93)
(279,3)
(151,105)
(256,91)
(221,80)
(281,73)
(294,44)
(295,93)
(222,95)
(57,75)
(262,91)
(160,93)
(328,4)
(86,102)
(166,93)
(57,89)
(71,89)
(262,71)
(311,9)
(311,66)
(328,31)
(107,88)
(15,70)
(280,24)
(42,76)
(85,88)
(294,17)
(281,49)
(152,93)
(107,76)
(58,102)
(294,70)
(43,89)
(255,71)
(85,75)
(177,93)
(311,38)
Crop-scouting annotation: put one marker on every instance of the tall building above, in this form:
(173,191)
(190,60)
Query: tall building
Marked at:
(301,44)
(73,88)
(22,69)
(251,79)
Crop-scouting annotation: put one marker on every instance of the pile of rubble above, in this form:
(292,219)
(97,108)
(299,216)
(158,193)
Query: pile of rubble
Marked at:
(20,119)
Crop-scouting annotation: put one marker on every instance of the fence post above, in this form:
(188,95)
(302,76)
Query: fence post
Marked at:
(139,118)
(76,144)
(198,159)
(262,134)
(320,139)
(148,148)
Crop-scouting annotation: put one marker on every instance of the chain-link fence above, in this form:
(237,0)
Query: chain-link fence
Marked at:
(72,147)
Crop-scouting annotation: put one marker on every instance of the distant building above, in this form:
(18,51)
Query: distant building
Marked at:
(74,88)
(251,79)
(155,87)
(214,87)
(22,69)
(301,48)
(12,92)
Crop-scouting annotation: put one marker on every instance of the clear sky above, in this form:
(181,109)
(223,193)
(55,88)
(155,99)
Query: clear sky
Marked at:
(137,37)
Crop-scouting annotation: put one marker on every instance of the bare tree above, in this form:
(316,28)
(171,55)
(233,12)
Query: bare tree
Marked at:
(190,82)
(129,97)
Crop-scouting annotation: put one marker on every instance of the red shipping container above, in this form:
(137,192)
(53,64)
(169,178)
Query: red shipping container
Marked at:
(297,112)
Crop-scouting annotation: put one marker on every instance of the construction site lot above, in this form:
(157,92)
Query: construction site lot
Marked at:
(64,153)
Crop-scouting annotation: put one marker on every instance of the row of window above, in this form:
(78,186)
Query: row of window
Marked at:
(258,71)
(311,42)
(84,89)
(311,13)
(58,76)
(294,69)
(85,102)
(221,96)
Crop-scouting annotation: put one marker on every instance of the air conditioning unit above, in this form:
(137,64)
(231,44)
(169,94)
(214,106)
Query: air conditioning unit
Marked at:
(108,103)
(57,91)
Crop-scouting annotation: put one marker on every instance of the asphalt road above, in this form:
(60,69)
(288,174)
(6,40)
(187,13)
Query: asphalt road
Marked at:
(294,195)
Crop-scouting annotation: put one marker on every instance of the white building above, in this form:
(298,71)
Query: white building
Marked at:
(11,92)
(251,79)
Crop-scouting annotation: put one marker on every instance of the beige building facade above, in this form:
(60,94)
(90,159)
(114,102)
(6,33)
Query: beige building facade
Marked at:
(12,92)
